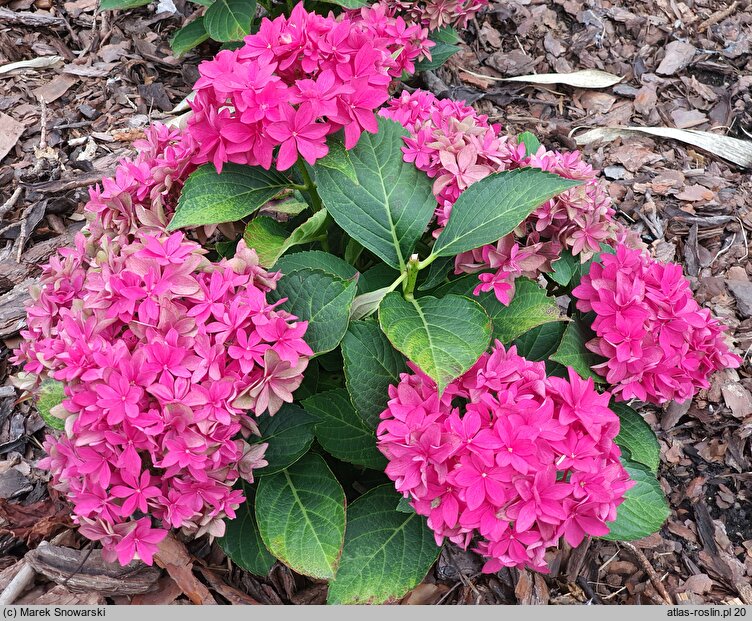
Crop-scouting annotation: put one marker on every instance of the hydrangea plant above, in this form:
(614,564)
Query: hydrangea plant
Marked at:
(427,330)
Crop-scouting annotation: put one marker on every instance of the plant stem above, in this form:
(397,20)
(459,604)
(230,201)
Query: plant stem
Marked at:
(309,186)
(411,276)
(427,261)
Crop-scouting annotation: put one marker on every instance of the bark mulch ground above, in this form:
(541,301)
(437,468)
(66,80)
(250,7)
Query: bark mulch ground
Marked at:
(77,86)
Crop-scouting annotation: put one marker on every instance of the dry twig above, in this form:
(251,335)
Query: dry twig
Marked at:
(18,585)
(10,203)
(645,563)
(718,16)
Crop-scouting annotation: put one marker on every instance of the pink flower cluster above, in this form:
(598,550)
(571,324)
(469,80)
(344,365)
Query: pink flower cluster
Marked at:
(659,344)
(143,193)
(505,456)
(297,80)
(434,14)
(456,147)
(160,352)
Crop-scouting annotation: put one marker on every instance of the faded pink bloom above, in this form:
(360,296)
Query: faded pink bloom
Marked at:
(435,14)
(457,147)
(153,344)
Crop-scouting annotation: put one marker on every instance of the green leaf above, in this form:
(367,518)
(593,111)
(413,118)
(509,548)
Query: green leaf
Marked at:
(366,304)
(109,5)
(444,39)
(443,337)
(437,274)
(341,432)
(386,552)
(636,436)
(289,434)
(440,53)
(203,2)
(51,394)
(338,159)
(378,277)
(568,269)
(242,541)
(573,353)
(530,306)
(446,34)
(301,517)
(226,249)
(229,20)
(380,200)
(318,260)
(271,240)
(531,142)
(494,206)
(404,506)
(290,205)
(371,364)
(211,198)
(644,509)
(542,341)
(189,36)
(321,299)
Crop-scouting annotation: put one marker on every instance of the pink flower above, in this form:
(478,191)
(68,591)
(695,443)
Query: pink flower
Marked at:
(275,387)
(141,541)
(481,482)
(297,80)
(153,344)
(658,343)
(119,398)
(136,493)
(297,133)
(512,465)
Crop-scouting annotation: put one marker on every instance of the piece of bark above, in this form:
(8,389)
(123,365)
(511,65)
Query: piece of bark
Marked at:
(13,484)
(10,132)
(531,589)
(80,574)
(699,584)
(577,559)
(65,184)
(54,89)
(13,309)
(7,574)
(167,591)
(175,559)
(231,594)
(425,594)
(60,596)
(30,19)
(678,56)
(742,292)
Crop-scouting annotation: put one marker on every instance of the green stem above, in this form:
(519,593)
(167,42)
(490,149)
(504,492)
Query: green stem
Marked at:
(427,261)
(309,186)
(411,276)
